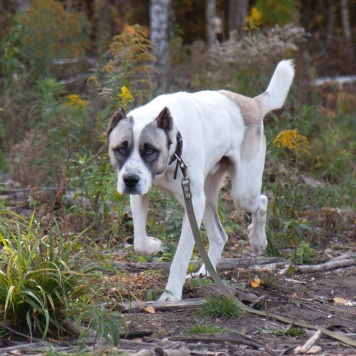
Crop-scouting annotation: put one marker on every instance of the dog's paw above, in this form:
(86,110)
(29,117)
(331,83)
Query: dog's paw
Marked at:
(169,297)
(154,245)
(258,239)
(259,249)
(202,273)
(151,246)
(258,243)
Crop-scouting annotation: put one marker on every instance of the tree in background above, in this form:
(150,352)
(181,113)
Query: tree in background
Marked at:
(161,20)
(345,20)
(210,15)
(237,14)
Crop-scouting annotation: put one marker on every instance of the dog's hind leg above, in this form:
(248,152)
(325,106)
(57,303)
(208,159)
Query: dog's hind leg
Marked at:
(216,234)
(246,191)
(143,244)
(257,230)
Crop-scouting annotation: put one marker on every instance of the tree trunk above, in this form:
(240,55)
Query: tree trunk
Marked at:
(210,25)
(330,23)
(22,5)
(161,15)
(237,14)
(345,19)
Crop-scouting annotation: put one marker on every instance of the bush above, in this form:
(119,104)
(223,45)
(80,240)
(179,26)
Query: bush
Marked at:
(44,35)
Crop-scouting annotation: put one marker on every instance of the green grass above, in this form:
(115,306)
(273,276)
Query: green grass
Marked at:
(205,329)
(36,279)
(216,306)
(45,282)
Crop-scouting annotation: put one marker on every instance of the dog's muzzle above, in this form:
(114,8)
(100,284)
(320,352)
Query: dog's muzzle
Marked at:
(131,183)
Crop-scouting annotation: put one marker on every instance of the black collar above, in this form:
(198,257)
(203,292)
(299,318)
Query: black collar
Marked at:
(178,153)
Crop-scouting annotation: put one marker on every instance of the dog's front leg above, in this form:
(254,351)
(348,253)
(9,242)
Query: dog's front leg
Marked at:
(179,267)
(143,244)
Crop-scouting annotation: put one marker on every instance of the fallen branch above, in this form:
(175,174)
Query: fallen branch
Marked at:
(224,265)
(327,265)
(232,337)
(186,304)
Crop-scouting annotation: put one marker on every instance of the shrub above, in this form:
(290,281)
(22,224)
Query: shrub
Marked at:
(228,64)
(45,34)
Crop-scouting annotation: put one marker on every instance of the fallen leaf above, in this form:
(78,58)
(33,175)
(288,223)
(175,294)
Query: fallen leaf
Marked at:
(339,301)
(150,310)
(255,283)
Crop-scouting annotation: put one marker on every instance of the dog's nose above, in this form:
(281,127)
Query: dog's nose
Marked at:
(131,180)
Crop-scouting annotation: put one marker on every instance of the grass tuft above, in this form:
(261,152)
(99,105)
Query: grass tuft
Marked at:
(219,306)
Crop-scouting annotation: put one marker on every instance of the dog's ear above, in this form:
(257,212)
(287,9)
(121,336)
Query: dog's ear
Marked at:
(115,119)
(164,120)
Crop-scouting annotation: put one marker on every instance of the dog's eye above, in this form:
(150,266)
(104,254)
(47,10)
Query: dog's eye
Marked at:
(150,151)
(120,150)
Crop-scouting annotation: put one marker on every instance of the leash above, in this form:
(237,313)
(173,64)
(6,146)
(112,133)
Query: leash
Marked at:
(216,278)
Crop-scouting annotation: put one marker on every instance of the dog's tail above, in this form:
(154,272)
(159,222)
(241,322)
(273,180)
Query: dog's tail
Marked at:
(277,91)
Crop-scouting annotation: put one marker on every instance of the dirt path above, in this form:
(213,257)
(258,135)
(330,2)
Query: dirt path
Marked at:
(326,299)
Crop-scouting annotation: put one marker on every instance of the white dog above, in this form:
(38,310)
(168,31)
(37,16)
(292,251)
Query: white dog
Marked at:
(222,133)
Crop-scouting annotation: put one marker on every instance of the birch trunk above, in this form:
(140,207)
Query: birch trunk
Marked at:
(210,26)
(161,16)
(345,19)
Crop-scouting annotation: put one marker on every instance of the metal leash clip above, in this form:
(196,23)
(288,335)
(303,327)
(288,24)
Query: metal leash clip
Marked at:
(182,165)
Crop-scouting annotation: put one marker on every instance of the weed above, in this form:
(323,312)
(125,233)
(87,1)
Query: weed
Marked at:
(127,75)
(303,253)
(220,306)
(101,323)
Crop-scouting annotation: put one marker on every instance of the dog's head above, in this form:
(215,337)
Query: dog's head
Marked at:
(140,149)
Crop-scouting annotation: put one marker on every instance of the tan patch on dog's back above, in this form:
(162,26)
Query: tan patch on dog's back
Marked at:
(252,118)
(250,111)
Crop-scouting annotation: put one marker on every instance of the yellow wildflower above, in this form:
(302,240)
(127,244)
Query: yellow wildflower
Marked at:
(125,96)
(93,78)
(75,102)
(254,19)
(109,68)
(131,30)
(292,140)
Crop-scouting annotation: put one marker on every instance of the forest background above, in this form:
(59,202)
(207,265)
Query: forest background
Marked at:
(67,65)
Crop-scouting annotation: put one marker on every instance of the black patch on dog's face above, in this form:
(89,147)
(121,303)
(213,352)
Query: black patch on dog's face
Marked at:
(120,142)
(155,141)
(154,149)
(114,121)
